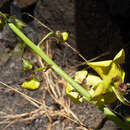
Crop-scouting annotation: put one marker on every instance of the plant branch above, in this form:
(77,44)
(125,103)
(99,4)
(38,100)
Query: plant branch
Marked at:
(56,68)
(125,125)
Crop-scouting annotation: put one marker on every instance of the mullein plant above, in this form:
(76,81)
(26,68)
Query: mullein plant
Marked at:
(105,88)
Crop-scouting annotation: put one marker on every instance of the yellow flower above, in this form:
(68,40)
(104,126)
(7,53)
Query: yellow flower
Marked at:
(71,92)
(108,87)
(112,76)
(110,69)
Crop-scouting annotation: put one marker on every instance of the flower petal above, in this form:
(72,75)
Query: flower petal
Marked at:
(120,57)
(75,96)
(93,80)
(120,96)
(101,67)
(80,76)
(99,89)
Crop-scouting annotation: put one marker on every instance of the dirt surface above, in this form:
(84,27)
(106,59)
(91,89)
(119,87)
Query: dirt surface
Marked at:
(93,30)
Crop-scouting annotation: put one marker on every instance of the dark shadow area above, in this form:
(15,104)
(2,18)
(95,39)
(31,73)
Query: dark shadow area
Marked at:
(5,6)
(30,10)
(103,26)
(90,28)
(10,7)
(19,13)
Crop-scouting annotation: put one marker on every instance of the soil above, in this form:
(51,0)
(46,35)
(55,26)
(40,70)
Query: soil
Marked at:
(93,28)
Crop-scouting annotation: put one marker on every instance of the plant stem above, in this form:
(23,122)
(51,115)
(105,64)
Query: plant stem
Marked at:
(48,35)
(56,68)
(125,125)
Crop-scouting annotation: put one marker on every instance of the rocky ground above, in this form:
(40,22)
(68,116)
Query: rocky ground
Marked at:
(94,29)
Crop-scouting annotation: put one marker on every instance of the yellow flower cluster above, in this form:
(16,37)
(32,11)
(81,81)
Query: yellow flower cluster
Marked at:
(105,88)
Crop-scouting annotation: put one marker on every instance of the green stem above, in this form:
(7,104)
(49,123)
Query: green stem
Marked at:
(48,35)
(56,68)
(125,125)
